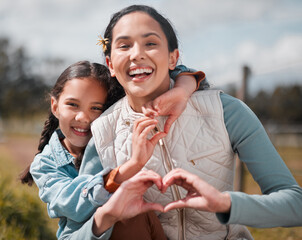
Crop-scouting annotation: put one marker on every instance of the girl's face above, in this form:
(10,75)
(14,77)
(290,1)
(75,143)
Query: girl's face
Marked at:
(140,58)
(80,103)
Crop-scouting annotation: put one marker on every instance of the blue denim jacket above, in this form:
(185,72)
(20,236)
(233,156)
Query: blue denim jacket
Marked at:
(69,196)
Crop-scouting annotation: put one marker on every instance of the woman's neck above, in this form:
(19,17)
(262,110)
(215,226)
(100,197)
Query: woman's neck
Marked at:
(137,102)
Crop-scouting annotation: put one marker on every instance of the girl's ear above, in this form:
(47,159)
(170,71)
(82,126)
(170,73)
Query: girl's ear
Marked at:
(54,106)
(173,58)
(109,64)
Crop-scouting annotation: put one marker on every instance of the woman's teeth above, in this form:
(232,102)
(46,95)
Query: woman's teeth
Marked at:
(140,71)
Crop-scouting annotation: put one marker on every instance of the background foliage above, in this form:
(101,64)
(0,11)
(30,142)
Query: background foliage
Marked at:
(23,215)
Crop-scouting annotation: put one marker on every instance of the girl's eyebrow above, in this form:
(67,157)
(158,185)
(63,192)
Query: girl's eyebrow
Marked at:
(144,36)
(77,100)
(71,99)
(99,103)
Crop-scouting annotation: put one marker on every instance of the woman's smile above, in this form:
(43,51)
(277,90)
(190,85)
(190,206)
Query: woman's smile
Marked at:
(140,74)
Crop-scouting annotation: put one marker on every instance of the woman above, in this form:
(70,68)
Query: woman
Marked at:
(204,140)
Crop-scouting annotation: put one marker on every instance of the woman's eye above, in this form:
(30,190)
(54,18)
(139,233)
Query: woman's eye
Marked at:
(151,44)
(124,46)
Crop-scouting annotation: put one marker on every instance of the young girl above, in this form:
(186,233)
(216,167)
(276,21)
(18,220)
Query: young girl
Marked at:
(203,141)
(82,92)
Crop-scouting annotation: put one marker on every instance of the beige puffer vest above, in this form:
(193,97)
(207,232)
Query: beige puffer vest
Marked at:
(197,142)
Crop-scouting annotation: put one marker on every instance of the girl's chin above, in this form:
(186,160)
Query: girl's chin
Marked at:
(81,145)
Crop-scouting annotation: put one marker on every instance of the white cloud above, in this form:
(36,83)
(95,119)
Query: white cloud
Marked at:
(284,56)
(285,52)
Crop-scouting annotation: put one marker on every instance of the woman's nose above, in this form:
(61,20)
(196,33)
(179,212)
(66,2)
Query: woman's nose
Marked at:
(137,52)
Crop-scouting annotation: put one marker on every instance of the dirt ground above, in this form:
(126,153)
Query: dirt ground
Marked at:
(21,148)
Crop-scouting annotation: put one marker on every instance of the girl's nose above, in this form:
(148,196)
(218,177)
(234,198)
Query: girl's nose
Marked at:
(137,52)
(82,117)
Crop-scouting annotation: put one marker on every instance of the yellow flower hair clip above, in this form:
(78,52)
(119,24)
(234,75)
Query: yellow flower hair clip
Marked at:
(103,42)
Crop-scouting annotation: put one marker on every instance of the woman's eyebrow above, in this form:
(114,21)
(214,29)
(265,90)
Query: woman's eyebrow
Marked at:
(122,37)
(125,37)
(151,34)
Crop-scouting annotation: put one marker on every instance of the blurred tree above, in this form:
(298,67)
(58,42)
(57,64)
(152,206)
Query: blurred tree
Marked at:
(282,106)
(4,66)
(21,90)
(260,105)
(286,104)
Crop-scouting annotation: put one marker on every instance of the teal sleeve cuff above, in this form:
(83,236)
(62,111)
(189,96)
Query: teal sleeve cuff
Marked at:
(200,76)
(180,69)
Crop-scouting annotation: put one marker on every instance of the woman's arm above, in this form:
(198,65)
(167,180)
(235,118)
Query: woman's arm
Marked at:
(281,202)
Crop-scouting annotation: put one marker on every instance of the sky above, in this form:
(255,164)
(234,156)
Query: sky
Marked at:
(216,36)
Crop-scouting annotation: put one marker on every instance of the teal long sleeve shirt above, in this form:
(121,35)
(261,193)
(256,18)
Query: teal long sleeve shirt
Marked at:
(281,202)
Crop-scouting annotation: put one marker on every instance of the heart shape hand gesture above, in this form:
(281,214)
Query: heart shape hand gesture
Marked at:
(128,200)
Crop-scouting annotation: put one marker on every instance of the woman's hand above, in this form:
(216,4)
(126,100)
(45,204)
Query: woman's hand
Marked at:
(173,102)
(127,201)
(142,148)
(201,195)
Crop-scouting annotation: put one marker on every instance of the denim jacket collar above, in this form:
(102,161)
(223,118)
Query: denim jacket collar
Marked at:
(61,155)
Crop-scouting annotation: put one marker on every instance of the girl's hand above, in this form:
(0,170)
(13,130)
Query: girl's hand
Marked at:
(173,102)
(127,201)
(201,195)
(142,148)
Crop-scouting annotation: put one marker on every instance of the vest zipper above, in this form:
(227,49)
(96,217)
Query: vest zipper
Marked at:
(175,191)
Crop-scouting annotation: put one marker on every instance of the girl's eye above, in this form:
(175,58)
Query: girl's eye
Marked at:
(72,104)
(97,109)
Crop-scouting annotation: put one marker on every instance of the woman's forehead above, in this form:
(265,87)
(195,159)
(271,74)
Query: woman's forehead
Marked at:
(137,22)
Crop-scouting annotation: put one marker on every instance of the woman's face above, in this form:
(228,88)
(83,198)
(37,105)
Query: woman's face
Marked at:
(140,58)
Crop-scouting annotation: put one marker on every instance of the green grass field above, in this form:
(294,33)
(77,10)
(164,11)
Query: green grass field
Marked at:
(23,216)
(29,213)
